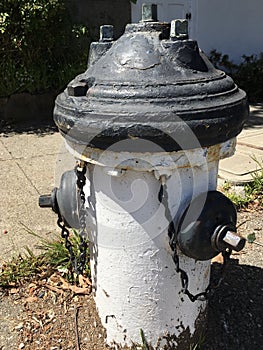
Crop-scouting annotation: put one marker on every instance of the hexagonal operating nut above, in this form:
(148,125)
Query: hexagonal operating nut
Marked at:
(225,236)
(234,240)
(106,32)
(77,89)
(179,29)
(149,13)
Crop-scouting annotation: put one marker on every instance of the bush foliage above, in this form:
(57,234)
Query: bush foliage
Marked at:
(40,48)
(248,75)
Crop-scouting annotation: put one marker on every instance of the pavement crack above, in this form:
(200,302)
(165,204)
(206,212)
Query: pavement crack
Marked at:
(7,150)
(28,178)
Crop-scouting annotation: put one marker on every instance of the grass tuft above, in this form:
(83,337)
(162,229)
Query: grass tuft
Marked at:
(53,257)
(252,192)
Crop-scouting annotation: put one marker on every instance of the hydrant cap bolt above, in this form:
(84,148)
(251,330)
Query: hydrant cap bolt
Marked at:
(149,13)
(179,29)
(233,240)
(225,237)
(106,32)
(77,89)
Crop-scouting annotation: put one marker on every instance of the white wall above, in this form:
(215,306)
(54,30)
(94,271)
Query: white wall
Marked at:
(233,27)
(167,9)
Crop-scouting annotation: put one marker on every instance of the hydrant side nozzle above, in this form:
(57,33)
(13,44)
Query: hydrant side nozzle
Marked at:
(64,200)
(203,237)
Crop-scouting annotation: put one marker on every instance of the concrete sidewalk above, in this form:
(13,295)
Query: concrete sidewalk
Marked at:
(239,168)
(32,162)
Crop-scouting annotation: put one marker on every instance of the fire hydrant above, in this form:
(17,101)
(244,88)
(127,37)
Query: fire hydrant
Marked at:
(149,121)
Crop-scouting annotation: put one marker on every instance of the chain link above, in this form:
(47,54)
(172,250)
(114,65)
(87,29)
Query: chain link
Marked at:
(81,169)
(65,235)
(163,198)
(78,263)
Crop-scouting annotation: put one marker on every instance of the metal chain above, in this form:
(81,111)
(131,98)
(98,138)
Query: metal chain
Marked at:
(163,198)
(81,169)
(68,245)
(77,263)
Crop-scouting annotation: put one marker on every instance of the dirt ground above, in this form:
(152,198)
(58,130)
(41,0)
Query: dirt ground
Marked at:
(43,315)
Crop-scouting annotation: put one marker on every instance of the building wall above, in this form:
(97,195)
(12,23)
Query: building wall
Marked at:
(233,27)
(167,9)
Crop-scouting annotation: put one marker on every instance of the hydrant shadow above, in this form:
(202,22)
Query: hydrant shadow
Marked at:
(235,313)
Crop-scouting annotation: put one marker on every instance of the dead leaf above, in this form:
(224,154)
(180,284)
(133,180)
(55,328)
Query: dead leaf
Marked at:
(31,288)
(65,284)
(79,290)
(14,290)
(58,284)
(84,281)
(54,289)
(31,299)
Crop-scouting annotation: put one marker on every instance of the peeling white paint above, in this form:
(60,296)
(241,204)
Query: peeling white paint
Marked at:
(134,279)
(160,162)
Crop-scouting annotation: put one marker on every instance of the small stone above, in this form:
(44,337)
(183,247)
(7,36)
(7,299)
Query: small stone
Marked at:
(21,346)
(19,326)
(41,294)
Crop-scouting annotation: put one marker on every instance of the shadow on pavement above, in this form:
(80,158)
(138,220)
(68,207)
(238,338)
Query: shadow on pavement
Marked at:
(255,117)
(235,311)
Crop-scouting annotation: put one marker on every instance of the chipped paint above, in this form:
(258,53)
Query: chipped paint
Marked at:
(132,260)
(160,162)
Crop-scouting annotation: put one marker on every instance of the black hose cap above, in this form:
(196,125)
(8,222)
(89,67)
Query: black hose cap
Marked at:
(196,234)
(49,201)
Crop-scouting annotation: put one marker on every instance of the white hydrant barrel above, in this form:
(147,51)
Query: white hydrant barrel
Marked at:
(151,117)
(135,284)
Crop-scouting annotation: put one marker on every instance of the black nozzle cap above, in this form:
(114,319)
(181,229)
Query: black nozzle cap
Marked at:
(45,201)
(49,201)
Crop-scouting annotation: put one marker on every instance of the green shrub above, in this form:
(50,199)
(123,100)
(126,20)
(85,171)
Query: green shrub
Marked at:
(248,75)
(40,48)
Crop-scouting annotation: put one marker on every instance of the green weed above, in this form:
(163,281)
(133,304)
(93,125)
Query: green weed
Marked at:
(41,48)
(54,256)
(252,191)
(21,268)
